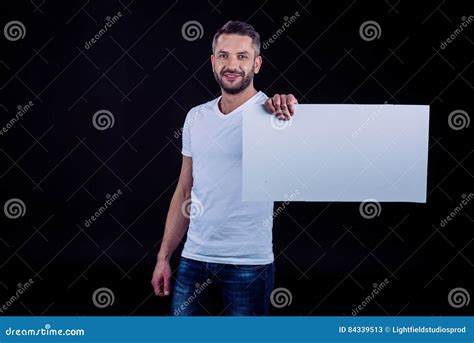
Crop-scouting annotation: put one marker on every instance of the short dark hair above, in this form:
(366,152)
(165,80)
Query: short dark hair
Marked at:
(239,28)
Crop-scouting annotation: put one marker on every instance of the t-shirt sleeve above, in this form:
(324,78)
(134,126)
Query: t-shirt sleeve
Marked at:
(186,150)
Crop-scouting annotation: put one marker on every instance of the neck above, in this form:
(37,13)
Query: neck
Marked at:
(230,102)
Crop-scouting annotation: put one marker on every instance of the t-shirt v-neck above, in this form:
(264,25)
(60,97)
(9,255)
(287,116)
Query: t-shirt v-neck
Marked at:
(251,100)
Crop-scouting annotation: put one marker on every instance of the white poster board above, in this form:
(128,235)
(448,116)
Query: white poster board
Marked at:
(336,153)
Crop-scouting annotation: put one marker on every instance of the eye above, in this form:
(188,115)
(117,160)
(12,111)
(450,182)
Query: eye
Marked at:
(222,55)
(242,57)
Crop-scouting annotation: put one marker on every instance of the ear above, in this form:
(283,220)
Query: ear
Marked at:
(258,63)
(212,61)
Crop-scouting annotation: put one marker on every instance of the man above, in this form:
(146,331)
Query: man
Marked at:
(229,242)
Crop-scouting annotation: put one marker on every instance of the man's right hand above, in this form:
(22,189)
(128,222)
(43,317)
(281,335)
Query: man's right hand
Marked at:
(161,279)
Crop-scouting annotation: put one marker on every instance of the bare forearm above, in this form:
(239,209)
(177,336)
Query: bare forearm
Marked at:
(176,224)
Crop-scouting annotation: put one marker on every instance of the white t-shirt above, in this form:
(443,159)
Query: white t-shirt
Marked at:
(223,228)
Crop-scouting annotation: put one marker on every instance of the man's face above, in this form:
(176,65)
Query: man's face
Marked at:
(234,62)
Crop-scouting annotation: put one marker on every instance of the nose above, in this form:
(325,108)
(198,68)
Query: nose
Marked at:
(232,63)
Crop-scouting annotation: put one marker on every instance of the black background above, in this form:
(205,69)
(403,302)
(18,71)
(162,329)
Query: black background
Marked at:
(144,72)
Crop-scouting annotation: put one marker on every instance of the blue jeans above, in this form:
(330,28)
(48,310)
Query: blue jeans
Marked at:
(244,289)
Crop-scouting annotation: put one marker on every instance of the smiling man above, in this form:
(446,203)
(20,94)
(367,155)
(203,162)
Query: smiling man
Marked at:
(229,242)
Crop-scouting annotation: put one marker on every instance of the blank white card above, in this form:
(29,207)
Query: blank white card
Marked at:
(336,153)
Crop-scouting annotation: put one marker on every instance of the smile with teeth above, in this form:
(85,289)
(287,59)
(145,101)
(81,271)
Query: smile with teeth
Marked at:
(231,76)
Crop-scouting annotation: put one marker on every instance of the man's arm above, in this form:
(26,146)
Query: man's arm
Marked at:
(177,222)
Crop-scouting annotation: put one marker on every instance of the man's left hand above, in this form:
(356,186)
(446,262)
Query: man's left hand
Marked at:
(281,105)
